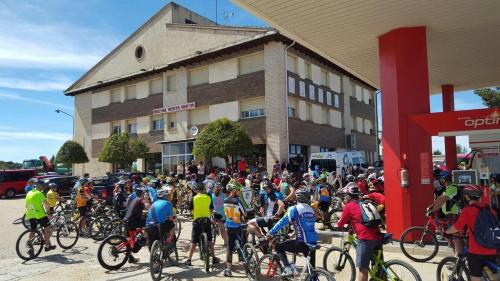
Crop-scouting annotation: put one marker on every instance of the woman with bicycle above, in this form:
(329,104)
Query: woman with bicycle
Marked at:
(369,238)
(478,255)
(233,212)
(303,219)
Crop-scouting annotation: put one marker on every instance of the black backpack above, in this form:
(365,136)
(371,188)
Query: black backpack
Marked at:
(487,229)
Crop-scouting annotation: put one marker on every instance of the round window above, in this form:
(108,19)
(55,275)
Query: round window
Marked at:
(139,52)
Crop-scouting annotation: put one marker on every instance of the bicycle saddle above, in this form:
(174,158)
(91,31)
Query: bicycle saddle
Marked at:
(387,238)
(313,247)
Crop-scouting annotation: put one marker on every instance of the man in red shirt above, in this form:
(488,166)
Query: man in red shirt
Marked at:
(369,238)
(242,167)
(477,255)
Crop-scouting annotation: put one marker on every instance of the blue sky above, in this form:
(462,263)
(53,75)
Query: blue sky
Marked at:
(46,45)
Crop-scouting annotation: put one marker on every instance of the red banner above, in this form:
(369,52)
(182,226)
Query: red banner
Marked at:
(175,108)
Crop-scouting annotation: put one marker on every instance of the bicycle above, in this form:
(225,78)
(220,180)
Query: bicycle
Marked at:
(66,236)
(204,246)
(161,251)
(120,248)
(339,262)
(270,267)
(426,236)
(458,269)
(248,255)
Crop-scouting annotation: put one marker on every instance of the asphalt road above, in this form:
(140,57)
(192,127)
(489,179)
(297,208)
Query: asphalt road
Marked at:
(80,263)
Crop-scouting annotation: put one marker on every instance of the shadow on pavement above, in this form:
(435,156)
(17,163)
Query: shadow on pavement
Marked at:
(55,258)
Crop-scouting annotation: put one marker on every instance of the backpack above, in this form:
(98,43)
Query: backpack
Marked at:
(457,199)
(119,201)
(370,217)
(487,229)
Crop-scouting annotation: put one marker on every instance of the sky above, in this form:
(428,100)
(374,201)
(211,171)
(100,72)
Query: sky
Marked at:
(46,45)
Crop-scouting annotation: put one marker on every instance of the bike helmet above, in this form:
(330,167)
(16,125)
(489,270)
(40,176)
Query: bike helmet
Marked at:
(361,176)
(138,189)
(353,190)
(473,191)
(163,193)
(266,184)
(52,186)
(303,196)
(231,186)
(350,178)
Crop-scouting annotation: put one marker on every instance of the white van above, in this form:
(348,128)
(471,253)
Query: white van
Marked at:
(339,161)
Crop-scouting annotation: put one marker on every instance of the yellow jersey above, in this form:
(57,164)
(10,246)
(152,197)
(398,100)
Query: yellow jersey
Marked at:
(52,198)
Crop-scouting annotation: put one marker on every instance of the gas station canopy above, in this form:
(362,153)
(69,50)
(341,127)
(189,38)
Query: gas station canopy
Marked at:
(463,36)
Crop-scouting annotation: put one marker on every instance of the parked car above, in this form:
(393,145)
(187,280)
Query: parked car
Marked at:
(103,187)
(115,177)
(12,182)
(64,184)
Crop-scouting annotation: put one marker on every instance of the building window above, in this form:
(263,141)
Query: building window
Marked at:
(311,92)
(171,125)
(329,98)
(171,83)
(291,112)
(324,78)
(324,149)
(176,153)
(156,86)
(320,95)
(252,113)
(291,84)
(130,92)
(115,95)
(292,63)
(157,124)
(295,149)
(251,63)
(308,71)
(139,52)
(337,101)
(302,86)
(132,127)
(116,128)
(172,121)
(198,76)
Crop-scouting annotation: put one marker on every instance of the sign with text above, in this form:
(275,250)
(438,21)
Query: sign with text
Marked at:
(175,108)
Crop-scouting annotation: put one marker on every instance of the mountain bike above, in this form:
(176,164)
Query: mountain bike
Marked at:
(204,245)
(118,248)
(339,262)
(161,251)
(248,256)
(270,267)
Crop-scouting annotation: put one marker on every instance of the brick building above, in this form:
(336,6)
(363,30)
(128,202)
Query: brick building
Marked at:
(180,71)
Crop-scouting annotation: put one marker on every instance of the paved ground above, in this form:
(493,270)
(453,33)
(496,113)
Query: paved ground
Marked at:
(80,263)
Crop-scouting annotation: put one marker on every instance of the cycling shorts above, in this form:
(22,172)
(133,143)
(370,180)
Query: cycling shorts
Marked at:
(364,252)
(82,211)
(199,226)
(265,221)
(477,263)
(43,222)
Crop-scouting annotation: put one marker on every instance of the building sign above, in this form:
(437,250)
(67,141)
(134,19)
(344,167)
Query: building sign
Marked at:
(425,168)
(175,108)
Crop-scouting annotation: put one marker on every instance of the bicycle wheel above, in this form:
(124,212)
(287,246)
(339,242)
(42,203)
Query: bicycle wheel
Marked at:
(67,235)
(340,264)
(251,258)
(26,223)
(113,252)
(84,227)
(156,260)
(204,253)
(414,251)
(28,249)
(400,270)
(115,227)
(446,268)
(178,228)
(268,268)
(97,228)
(319,274)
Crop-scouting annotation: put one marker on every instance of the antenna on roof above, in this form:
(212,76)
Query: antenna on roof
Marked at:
(216,12)
(227,16)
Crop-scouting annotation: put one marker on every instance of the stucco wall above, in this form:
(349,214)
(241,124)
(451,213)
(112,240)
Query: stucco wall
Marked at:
(100,99)
(230,110)
(224,70)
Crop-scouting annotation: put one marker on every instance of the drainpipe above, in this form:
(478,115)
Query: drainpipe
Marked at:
(286,97)
(376,129)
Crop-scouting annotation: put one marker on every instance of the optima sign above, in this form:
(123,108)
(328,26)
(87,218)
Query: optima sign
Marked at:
(479,122)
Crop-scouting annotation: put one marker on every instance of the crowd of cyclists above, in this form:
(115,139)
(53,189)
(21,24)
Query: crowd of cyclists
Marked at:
(260,206)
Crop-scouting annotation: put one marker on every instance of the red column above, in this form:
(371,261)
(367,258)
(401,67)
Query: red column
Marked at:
(450,143)
(404,84)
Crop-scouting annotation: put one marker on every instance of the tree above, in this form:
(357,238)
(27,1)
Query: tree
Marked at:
(121,150)
(9,165)
(223,138)
(461,149)
(52,159)
(490,96)
(437,152)
(71,152)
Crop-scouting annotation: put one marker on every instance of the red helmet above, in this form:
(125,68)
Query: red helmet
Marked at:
(473,191)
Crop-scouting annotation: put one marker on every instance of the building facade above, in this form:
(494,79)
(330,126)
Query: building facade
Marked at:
(180,71)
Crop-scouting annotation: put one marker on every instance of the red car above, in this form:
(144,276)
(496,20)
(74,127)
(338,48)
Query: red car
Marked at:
(12,182)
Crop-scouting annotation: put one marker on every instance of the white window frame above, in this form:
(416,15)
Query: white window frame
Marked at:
(291,84)
(254,113)
(329,98)
(321,97)
(132,127)
(160,120)
(116,125)
(311,93)
(337,101)
(292,112)
(302,88)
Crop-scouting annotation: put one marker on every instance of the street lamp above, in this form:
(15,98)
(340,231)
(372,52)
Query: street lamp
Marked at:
(73,118)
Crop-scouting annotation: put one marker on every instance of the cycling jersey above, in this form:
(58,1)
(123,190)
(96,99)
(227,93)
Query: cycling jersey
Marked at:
(246,199)
(159,212)
(218,202)
(303,220)
(322,192)
(201,204)
(270,203)
(233,210)
(450,207)
(34,205)
(52,198)
(152,194)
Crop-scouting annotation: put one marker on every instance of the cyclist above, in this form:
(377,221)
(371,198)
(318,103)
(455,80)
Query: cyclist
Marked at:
(120,198)
(161,215)
(83,196)
(234,211)
(447,203)
(323,197)
(36,207)
(218,198)
(477,255)
(133,216)
(201,207)
(52,198)
(271,207)
(30,185)
(303,220)
(369,238)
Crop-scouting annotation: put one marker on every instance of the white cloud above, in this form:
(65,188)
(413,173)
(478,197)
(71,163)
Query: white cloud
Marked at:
(33,135)
(48,84)
(18,97)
